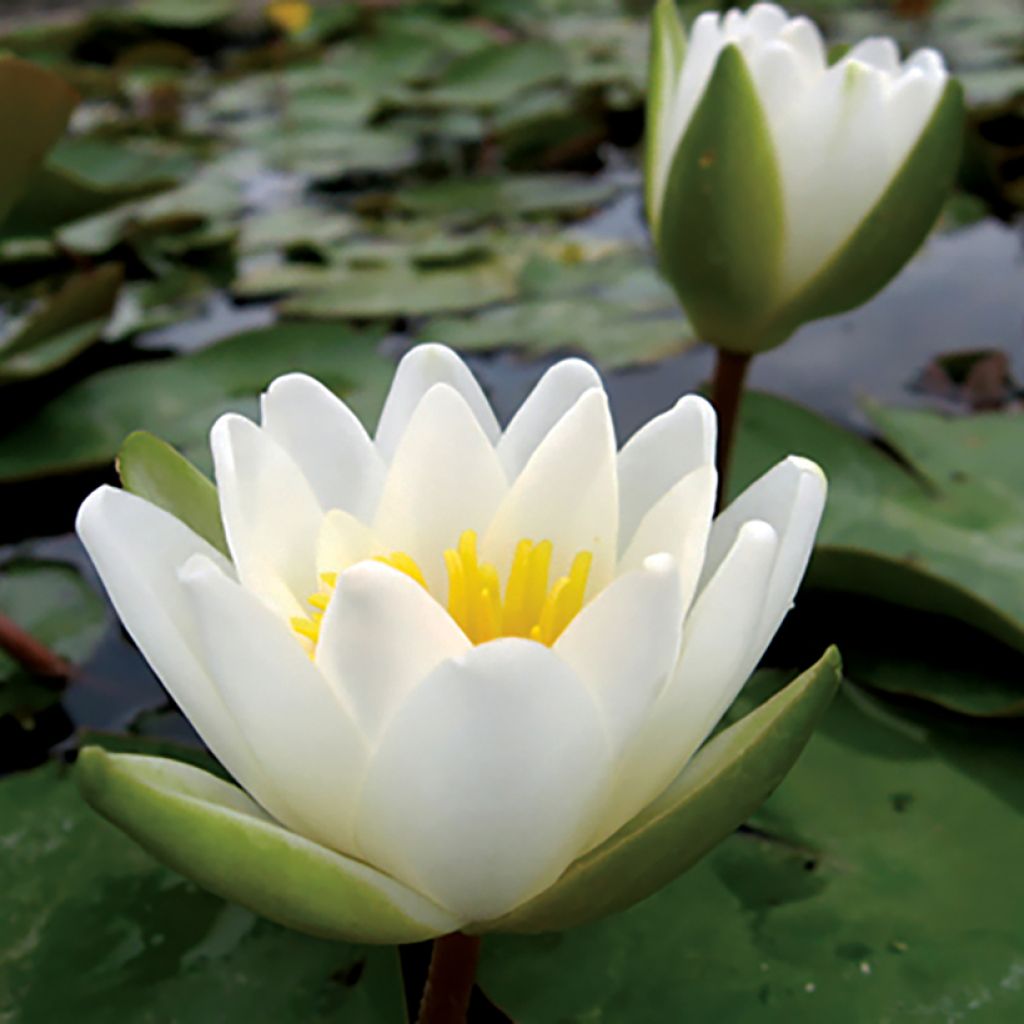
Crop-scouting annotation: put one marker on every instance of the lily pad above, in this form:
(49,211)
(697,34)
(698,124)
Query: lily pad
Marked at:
(178,399)
(52,602)
(403,291)
(471,200)
(946,537)
(35,105)
(613,336)
(871,886)
(493,76)
(82,176)
(66,324)
(146,944)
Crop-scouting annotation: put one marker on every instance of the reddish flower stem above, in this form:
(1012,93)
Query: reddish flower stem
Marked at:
(450,979)
(726,393)
(29,652)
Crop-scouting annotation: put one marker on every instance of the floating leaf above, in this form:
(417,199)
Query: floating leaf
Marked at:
(952,546)
(873,885)
(494,76)
(35,105)
(471,200)
(51,602)
(82,176)
(66,324)
(403,291)
(93,929)
(178,399)
(614,337)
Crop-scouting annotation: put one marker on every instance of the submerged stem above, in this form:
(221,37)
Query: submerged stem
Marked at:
(449,979)
(726,393)
(29,652)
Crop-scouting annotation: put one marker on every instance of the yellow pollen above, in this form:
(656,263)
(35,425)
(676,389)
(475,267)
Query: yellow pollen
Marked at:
(530,608)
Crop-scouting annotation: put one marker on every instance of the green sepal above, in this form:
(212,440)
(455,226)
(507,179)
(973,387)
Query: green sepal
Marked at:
(35,105)
(724,783)
(211,832)
(667,50)
(891,232)
(722,219)
(154,470)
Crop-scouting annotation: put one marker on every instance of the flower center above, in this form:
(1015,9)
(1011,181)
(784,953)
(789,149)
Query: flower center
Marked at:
(530,607)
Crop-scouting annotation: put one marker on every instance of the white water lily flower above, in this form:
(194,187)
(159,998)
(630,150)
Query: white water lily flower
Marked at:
(781,188)
(454,658)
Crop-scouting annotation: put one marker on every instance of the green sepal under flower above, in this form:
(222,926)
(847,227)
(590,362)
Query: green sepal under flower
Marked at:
(211,832)
(722,224)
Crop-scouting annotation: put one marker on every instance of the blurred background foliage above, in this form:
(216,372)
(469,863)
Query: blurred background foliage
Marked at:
(243,191)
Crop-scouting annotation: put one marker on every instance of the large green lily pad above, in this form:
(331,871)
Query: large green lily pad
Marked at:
(945,536)
(35,105)
(93,930)
(64,325)
(875,885)
(178,399)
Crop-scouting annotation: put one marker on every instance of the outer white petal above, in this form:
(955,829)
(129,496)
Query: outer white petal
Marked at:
(138,549)
(554,395)
(909,106)
(879,51)
(444,478)
(327,442)
(567,494)
(483,784)
(803,35)
(659,455)
(713,665)
(422,368)
(705,43)
(766,20)
(283,705)
(678,524)
(382,634)
(271,515)
(791,497)
(624,644)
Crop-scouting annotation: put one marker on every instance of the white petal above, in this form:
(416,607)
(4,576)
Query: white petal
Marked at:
(422,368)
(705,43)
(138,549)
(659,455)
(803,35)
(271,515)
(554,395)
(790,497)
(712,667)
(567,494)
(326,441)
(767,20)
(879,51)
(781,77)
(929,62)
(678,524)
(910,105)
(444,478)
(343,541)
(624,644)
(383,634)
(482,786)
(285,708)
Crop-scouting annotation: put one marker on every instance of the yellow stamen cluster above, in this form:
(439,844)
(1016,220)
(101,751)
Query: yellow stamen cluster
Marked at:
(529,608)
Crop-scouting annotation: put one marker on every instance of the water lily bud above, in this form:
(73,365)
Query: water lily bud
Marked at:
(781,188)
(463,675)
